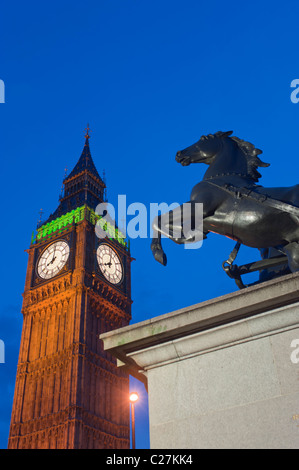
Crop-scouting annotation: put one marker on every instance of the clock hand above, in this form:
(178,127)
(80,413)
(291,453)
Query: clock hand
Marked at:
(108,264)
(52,260)
(54,257)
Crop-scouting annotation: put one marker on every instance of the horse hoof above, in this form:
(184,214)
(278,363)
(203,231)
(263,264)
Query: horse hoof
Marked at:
(160,257)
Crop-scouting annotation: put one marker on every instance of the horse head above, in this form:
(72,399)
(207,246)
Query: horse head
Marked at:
(203,151)
(223,154)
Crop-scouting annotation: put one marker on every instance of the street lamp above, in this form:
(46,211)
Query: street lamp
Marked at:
(133,398)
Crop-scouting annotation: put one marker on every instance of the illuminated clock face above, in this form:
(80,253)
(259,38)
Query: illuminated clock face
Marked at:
(53,259)
(110,264)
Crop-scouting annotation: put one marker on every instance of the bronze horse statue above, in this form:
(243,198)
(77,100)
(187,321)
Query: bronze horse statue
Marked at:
(234,205)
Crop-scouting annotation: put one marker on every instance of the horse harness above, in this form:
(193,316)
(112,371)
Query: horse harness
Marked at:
(235,272)
(259,198)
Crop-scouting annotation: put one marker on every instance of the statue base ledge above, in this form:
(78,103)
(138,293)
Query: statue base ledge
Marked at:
(220,374)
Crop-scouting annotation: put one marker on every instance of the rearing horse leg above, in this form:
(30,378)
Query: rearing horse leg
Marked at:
(163,225)
(156,245)
(157,249)
(160,227)
(171,225)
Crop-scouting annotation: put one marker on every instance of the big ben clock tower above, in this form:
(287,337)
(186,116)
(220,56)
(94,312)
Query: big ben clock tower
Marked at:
(69,394)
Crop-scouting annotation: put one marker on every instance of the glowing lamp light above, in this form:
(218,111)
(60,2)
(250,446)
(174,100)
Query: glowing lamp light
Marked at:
(133,397)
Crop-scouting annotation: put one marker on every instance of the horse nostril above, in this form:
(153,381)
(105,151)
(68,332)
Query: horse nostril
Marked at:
(178,155)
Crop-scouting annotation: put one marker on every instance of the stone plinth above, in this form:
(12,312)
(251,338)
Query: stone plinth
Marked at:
(219,374)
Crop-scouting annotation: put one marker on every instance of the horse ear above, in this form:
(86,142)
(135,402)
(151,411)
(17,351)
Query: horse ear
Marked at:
(227,133)
(258,152)
(262,164)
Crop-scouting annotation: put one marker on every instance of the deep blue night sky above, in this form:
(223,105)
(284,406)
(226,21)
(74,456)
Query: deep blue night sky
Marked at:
(150,77)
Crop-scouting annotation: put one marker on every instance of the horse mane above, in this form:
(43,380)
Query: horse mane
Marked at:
(251,153)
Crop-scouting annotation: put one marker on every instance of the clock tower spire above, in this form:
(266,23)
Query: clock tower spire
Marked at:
(87,136)
(82,186)
(69,394)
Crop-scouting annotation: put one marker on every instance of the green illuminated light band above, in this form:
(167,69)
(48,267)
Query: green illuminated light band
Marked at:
(76,216)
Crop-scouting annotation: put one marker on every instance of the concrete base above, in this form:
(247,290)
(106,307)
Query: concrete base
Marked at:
(220,374)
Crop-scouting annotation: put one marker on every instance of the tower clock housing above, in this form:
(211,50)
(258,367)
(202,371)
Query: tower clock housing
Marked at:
(69,393)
